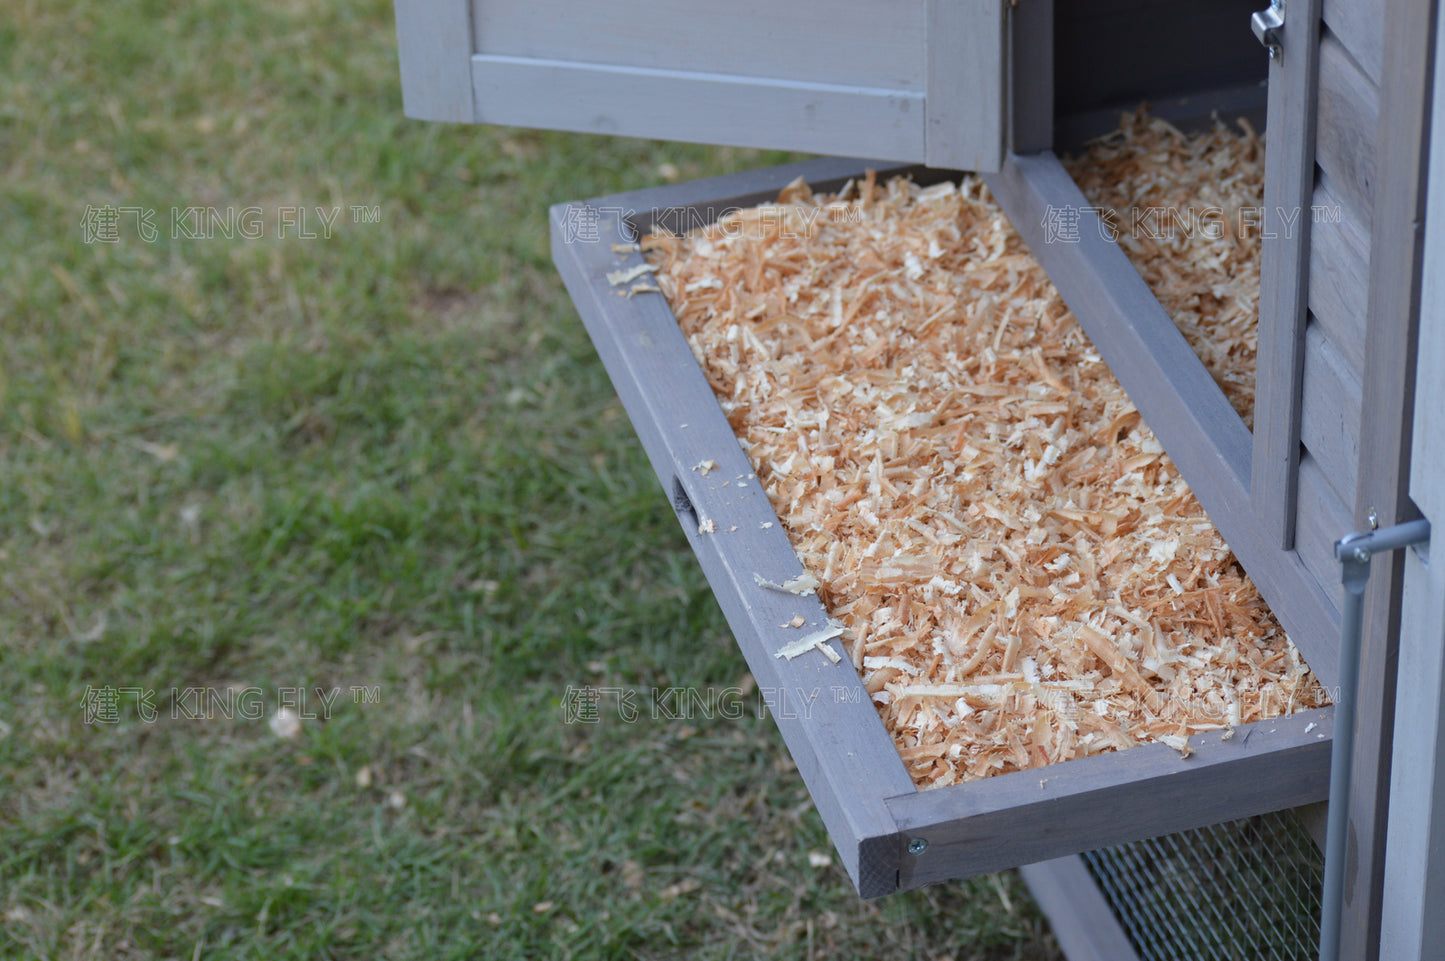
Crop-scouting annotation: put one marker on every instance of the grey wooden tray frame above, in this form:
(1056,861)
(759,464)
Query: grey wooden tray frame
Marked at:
(889,835)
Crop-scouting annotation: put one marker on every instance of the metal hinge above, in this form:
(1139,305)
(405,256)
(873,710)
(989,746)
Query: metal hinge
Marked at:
(1268,27)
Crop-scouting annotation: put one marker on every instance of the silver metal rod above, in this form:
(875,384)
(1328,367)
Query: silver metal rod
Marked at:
(1354,552)
(1342,756)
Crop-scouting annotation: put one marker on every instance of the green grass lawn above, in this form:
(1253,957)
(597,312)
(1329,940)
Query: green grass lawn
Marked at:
(385,459)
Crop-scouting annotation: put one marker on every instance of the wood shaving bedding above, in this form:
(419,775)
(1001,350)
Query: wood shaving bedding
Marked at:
(1187,210)
(1024,575)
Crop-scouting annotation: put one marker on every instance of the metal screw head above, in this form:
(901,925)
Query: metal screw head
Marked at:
(1374,518)
(1362,554)
(917,846)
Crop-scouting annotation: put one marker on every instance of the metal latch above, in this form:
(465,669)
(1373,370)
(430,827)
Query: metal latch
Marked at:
(1268,27)
(1353,551)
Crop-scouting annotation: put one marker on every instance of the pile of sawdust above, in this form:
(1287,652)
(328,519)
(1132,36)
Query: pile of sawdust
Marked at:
(1024,575)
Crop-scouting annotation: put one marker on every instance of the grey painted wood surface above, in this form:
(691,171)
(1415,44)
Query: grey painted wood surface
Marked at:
(1427,466)
(878,44)
(1359,25)
(848,761)
(910,80)
(966,92)
(828,721)
(1396,239)
(1339,274)
(1323,519)
(1289,175)
(1347,128)
(1081,918)
(1031,75)
(1330,427)
(433,47)
(1412,923)
(1171,388)
(1109,799)
(700,107)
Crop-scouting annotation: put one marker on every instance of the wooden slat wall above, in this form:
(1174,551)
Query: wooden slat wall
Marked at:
(1346,140)
(1349,111)
(1360,25)
(1330,425)
(1323,517)
(1339,270)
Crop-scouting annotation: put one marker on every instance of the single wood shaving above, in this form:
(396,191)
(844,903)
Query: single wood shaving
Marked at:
(816,640)
(802,584)
(619,277)
(1025,577)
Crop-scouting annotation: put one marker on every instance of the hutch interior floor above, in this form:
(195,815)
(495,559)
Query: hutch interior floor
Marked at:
(1187,210)
(1023,575)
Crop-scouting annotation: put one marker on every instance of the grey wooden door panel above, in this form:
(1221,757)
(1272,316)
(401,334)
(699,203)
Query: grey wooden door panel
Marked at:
(1289,175)
(1339,274)
(1392,317)
(1412,924)
(907,80)
(1346,129)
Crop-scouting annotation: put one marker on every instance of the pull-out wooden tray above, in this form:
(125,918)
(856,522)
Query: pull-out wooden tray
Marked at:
(891,836)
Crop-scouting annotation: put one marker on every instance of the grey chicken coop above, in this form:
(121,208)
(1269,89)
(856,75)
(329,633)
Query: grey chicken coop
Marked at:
(1136,853)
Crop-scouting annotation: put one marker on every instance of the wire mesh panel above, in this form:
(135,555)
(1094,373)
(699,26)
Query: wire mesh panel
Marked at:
(1246,890)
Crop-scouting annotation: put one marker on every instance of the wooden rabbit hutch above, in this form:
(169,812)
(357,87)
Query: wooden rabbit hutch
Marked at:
(1345,431)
